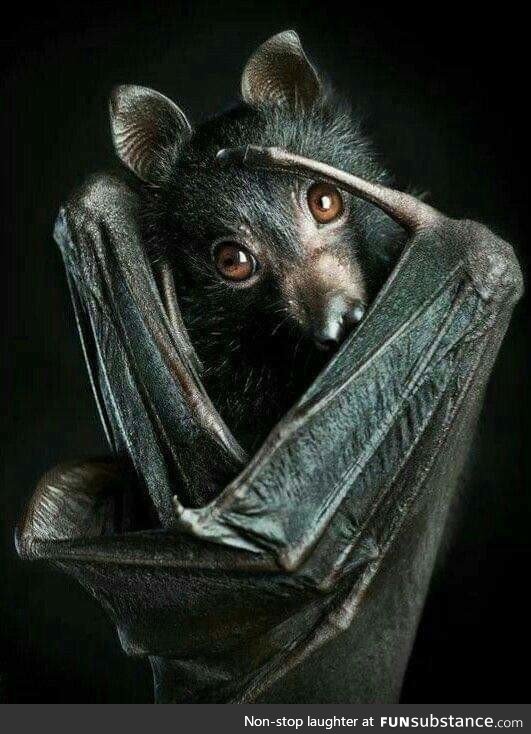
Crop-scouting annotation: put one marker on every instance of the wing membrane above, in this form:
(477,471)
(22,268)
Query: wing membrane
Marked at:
(154,406)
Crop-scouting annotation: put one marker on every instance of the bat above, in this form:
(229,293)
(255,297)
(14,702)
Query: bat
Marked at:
(298,574)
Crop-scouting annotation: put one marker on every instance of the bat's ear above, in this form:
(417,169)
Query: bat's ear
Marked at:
(148,131)
(278,73)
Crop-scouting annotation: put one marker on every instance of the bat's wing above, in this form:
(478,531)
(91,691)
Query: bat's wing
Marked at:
(143,368)
(335,523)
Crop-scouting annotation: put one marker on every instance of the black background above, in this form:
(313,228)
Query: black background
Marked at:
(445,96)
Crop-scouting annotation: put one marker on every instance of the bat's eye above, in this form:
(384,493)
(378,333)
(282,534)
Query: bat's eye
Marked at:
(233,262)
(325,202)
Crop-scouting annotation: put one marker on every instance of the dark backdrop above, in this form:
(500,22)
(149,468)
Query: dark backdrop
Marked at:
(445,96)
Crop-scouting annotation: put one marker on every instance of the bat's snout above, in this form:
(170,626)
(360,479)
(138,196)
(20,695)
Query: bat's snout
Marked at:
(337,319)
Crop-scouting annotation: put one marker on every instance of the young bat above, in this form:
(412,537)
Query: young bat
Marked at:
(272,271)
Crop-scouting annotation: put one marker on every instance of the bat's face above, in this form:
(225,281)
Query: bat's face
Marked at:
(267,247)
(298,255)
(267,254)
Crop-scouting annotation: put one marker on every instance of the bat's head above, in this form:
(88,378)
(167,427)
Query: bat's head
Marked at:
(259,248)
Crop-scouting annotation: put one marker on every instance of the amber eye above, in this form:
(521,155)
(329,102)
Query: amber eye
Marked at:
(234,262)
(325,202)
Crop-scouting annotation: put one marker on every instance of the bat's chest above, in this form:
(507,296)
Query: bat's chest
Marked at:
(253,385)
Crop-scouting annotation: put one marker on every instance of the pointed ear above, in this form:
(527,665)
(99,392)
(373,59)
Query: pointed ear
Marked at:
(148,131)
(278,73)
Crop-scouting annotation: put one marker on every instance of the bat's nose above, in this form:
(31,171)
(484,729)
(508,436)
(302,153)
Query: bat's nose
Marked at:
(337,318)
(328,337)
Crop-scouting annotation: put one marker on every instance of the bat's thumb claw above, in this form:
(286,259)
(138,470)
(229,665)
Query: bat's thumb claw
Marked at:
(179,509)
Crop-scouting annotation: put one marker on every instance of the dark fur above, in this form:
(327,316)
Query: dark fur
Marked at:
(257,361)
